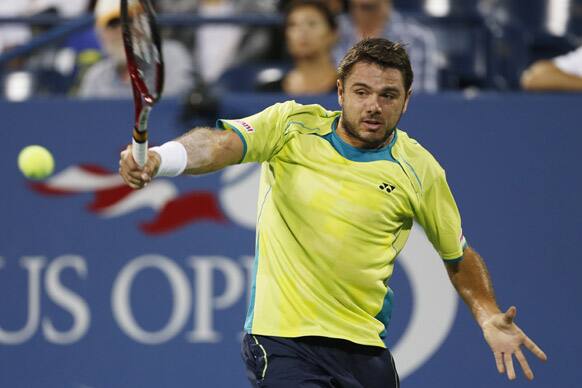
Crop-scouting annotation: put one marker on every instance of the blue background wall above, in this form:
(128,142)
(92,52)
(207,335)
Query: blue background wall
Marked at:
(513,162)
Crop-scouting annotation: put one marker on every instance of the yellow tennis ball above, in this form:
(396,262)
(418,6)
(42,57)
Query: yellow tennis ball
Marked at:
(36,162)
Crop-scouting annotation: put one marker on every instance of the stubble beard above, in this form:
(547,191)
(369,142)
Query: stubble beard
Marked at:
(348,126)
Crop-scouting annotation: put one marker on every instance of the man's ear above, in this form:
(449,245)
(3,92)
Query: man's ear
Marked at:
(340,92)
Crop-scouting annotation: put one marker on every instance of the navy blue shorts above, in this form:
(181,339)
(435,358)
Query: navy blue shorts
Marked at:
(312,362)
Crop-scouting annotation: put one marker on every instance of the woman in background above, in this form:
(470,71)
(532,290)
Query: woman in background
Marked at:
(310,33)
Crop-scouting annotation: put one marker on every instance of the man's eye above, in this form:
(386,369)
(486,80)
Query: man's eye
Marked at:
(360,92)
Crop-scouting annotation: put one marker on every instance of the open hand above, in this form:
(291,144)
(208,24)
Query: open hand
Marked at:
(505,339)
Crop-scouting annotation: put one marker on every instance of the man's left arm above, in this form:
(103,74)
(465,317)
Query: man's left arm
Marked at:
(473,283)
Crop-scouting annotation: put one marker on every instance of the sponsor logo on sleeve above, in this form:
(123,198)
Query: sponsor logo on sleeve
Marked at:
(249,128)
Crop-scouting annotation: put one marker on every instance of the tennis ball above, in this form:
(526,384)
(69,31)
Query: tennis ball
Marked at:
(35,162)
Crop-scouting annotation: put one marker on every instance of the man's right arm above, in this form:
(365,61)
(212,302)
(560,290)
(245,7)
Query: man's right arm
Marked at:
(211,149)
(544,75)
(207,150)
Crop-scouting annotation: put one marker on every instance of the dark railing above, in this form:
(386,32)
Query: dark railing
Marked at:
(64,27)
(171,20)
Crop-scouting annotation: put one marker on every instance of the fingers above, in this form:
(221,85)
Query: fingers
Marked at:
(151,166)
(127,158)
(532,347)
(524,365)
(509,315)
(509,366)
(499,362)
(130,171)
(131,180)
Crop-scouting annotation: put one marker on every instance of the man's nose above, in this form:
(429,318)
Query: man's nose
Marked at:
(373,105)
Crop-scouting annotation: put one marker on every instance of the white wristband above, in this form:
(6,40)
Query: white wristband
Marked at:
(174,158)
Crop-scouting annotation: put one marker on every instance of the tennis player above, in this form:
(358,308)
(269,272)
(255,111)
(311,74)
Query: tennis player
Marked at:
(338,194)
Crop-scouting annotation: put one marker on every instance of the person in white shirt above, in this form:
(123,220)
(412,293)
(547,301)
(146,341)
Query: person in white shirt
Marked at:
(563,73)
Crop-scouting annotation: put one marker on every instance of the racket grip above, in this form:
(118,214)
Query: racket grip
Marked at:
(139,152)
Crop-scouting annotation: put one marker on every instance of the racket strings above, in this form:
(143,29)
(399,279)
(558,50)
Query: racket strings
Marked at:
(146,53)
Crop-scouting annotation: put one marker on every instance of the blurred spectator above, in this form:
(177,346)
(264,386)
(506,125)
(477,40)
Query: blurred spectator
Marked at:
(337,7)
(563,73)
(48,71)
(378,18)
(12,35)
(178,6)
(109,78)
(310,33)
(65,8)
(220,46)
(216,45)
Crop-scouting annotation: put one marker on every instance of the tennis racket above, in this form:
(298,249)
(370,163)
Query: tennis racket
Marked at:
(145,65)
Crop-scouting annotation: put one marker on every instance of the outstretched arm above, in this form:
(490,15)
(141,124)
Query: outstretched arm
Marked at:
(207,150)
(473,283)
(544,75)
(210,149)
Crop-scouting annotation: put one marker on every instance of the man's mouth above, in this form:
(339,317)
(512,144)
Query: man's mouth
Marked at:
(372,124)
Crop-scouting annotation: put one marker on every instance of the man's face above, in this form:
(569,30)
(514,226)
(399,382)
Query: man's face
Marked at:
(370,13)
(372,99)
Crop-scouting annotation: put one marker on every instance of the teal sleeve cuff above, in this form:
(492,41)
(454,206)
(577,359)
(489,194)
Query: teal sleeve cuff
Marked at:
(453,261)
(221,124)
(458,259)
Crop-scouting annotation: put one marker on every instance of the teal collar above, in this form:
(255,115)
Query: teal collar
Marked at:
(355,154)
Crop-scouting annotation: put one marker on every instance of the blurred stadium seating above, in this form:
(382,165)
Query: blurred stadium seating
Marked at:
(485,44)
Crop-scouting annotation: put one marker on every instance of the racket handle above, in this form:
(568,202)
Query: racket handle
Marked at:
(140,152)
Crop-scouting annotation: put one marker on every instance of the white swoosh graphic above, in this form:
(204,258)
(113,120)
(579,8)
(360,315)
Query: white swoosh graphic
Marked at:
(77,179)
(434,304)
(155,196)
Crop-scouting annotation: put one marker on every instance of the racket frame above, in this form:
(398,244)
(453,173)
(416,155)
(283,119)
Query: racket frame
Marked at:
(144,99)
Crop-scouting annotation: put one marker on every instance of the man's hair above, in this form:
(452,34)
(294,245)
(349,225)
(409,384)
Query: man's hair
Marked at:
(319,5)
(377,51)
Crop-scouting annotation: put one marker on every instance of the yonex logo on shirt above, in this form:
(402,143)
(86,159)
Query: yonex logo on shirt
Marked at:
(387,187)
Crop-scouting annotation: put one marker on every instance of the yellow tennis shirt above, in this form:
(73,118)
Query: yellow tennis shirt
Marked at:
(331,220)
